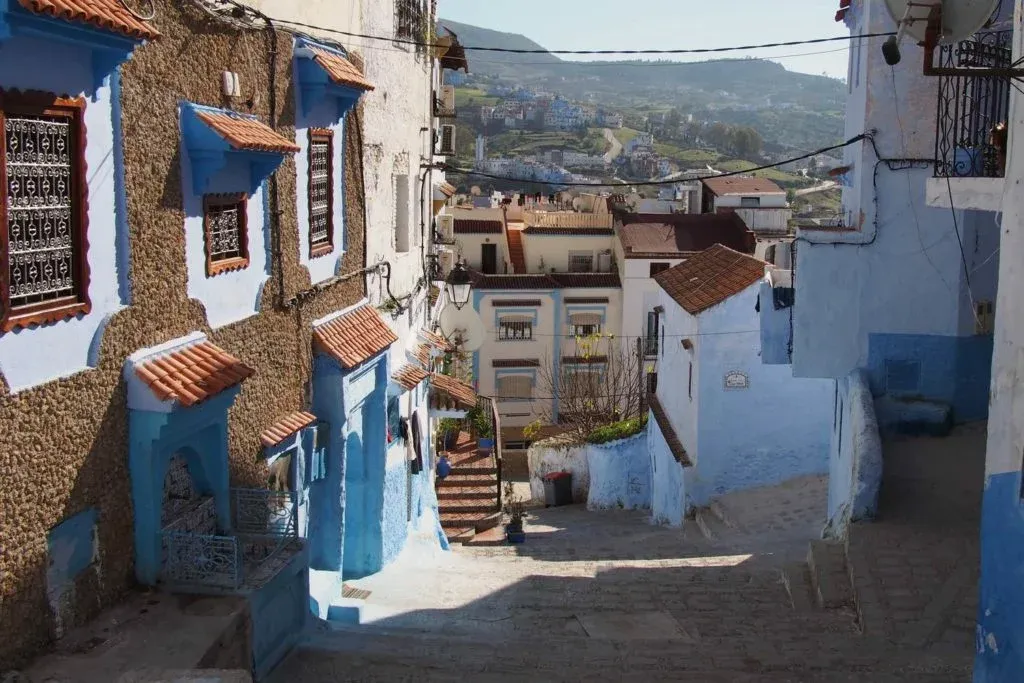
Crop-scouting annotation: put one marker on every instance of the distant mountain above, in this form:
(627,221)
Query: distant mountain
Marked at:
(741,90)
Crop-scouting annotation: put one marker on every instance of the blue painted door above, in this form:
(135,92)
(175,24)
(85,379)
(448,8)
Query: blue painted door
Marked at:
(364,490)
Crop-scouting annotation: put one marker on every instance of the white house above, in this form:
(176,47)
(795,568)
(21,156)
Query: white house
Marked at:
(649,244)
(742,423)
(758,201)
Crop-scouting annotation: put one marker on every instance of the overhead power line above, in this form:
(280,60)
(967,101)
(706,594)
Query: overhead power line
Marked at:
(855,139)
(541,51)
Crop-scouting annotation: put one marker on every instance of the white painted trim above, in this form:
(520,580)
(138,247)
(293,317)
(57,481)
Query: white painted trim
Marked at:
(983,194)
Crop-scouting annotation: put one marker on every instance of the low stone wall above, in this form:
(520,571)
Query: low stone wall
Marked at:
(611,475)
(855,456)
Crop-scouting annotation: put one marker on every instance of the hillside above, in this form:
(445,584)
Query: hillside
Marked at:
(790,109)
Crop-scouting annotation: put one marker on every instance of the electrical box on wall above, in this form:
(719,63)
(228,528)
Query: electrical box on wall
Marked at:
(229,84)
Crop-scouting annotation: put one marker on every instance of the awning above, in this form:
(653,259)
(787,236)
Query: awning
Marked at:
(462,395)
(188,371)
(585,319)
(354,337)
(285,427)
(516,319)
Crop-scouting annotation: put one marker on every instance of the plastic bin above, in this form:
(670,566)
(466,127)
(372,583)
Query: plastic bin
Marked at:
(557,489)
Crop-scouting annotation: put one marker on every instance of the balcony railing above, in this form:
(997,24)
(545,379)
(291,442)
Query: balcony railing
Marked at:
(264,530)
(650,346)
(970,108)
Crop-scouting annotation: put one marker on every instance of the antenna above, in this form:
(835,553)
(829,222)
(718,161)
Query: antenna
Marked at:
(941,22)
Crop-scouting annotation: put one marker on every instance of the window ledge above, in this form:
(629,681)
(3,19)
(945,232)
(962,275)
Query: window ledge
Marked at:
(219,267)
(316,251)
(44,314)
(982,194)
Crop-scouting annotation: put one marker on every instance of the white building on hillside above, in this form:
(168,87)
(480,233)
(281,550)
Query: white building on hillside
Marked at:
(758,201)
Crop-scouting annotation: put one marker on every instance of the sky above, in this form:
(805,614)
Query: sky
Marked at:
(668,24)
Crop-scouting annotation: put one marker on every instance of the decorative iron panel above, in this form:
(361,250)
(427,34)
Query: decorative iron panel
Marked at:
(196,559)
(410,20)
(264,513)
(224,223)
(40,155)
(509,330)
(970,107)
(320,191)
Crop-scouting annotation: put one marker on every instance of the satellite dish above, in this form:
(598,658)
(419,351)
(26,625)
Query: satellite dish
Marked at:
(960,19)
(462,323)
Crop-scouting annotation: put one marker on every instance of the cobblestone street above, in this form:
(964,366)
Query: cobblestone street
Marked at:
(607,596)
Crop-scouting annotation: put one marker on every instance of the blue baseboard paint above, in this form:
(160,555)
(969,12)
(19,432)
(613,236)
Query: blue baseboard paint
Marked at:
(944,369)
(1000,632)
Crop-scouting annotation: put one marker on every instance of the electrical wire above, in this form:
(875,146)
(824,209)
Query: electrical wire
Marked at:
(607,64)
(448,168)
(542,51)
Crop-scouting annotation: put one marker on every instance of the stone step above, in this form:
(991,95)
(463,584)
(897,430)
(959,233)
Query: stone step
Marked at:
(830,580)
(467,481)
(473,470)
(484,492)
(459,534)
(796,577)
(710,525)
(476,520)
(490,538)
(470,505)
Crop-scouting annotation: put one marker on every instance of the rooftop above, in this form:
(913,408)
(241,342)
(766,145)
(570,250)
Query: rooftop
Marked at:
(710,277)
(111,15)
(354,337)
(245,132)
(477,226)
(680,235)
(409,376)
(736,184)
(546,281)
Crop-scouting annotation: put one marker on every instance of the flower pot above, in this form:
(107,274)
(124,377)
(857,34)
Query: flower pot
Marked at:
(444,467)
(485,444)
(450,440)
(514,532)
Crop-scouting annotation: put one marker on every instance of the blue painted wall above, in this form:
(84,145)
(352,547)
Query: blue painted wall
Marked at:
(775,328)
(620,474)
(668,483)
(327,500)
(774,430)
(32,357)
(396,504)
(233,295)
(855,455)
(279,611)
(1000,631)
(323,115)
(71,548)
(198,434)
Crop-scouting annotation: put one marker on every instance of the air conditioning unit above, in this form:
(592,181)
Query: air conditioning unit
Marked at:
(446,227)
(448,99)
(447,261)
(604,262)
(447,146)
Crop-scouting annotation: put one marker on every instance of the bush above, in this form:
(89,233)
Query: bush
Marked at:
(618,430)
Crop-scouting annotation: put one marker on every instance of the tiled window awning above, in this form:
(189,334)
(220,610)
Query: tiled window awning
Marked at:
(409,376)
(214,136)
(585,319)
(354,337)
(460,393)
(325,74)
(436,341)
(106,27)
(188,371)
(668,432)
(285,427)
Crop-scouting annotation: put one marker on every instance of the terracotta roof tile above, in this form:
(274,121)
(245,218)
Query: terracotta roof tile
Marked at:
(546,280)
(517,303)
(354,337)
(285,427)
(460,392)
(710,277)
(191,374)
(736,184)
(422,354)
(243,132)
(409,376)
(436,341)
(340,70)
(578,280)
(477,226)
(110,15)
(668,432)
(448,189)
(647,236)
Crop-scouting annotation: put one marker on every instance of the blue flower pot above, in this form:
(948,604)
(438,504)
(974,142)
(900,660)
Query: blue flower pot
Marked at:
(515,537)
(444,467)
(968,162)
(485,444)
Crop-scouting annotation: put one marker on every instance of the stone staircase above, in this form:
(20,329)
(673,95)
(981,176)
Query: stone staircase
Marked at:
(468,497)
(515,250)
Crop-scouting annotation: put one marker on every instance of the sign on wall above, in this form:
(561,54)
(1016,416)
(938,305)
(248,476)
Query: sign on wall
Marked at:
(737,380)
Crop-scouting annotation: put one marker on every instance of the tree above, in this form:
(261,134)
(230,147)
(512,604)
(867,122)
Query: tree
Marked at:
(605,383)
(746,142)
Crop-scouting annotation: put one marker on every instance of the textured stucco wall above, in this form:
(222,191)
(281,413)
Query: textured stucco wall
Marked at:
(620,474)
(67,440)
(547,457)
(30,357)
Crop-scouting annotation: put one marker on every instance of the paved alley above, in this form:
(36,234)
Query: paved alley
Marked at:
(607,596)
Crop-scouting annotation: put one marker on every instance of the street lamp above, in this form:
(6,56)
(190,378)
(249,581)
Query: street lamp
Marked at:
(458,285)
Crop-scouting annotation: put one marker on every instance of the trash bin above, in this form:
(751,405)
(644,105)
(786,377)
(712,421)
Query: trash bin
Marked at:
(558,489)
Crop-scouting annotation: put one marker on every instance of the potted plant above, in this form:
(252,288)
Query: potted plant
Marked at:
(514,508)
(482,428)
(448,432)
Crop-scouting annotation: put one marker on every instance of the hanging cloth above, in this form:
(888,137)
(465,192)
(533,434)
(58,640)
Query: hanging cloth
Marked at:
(417,462)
